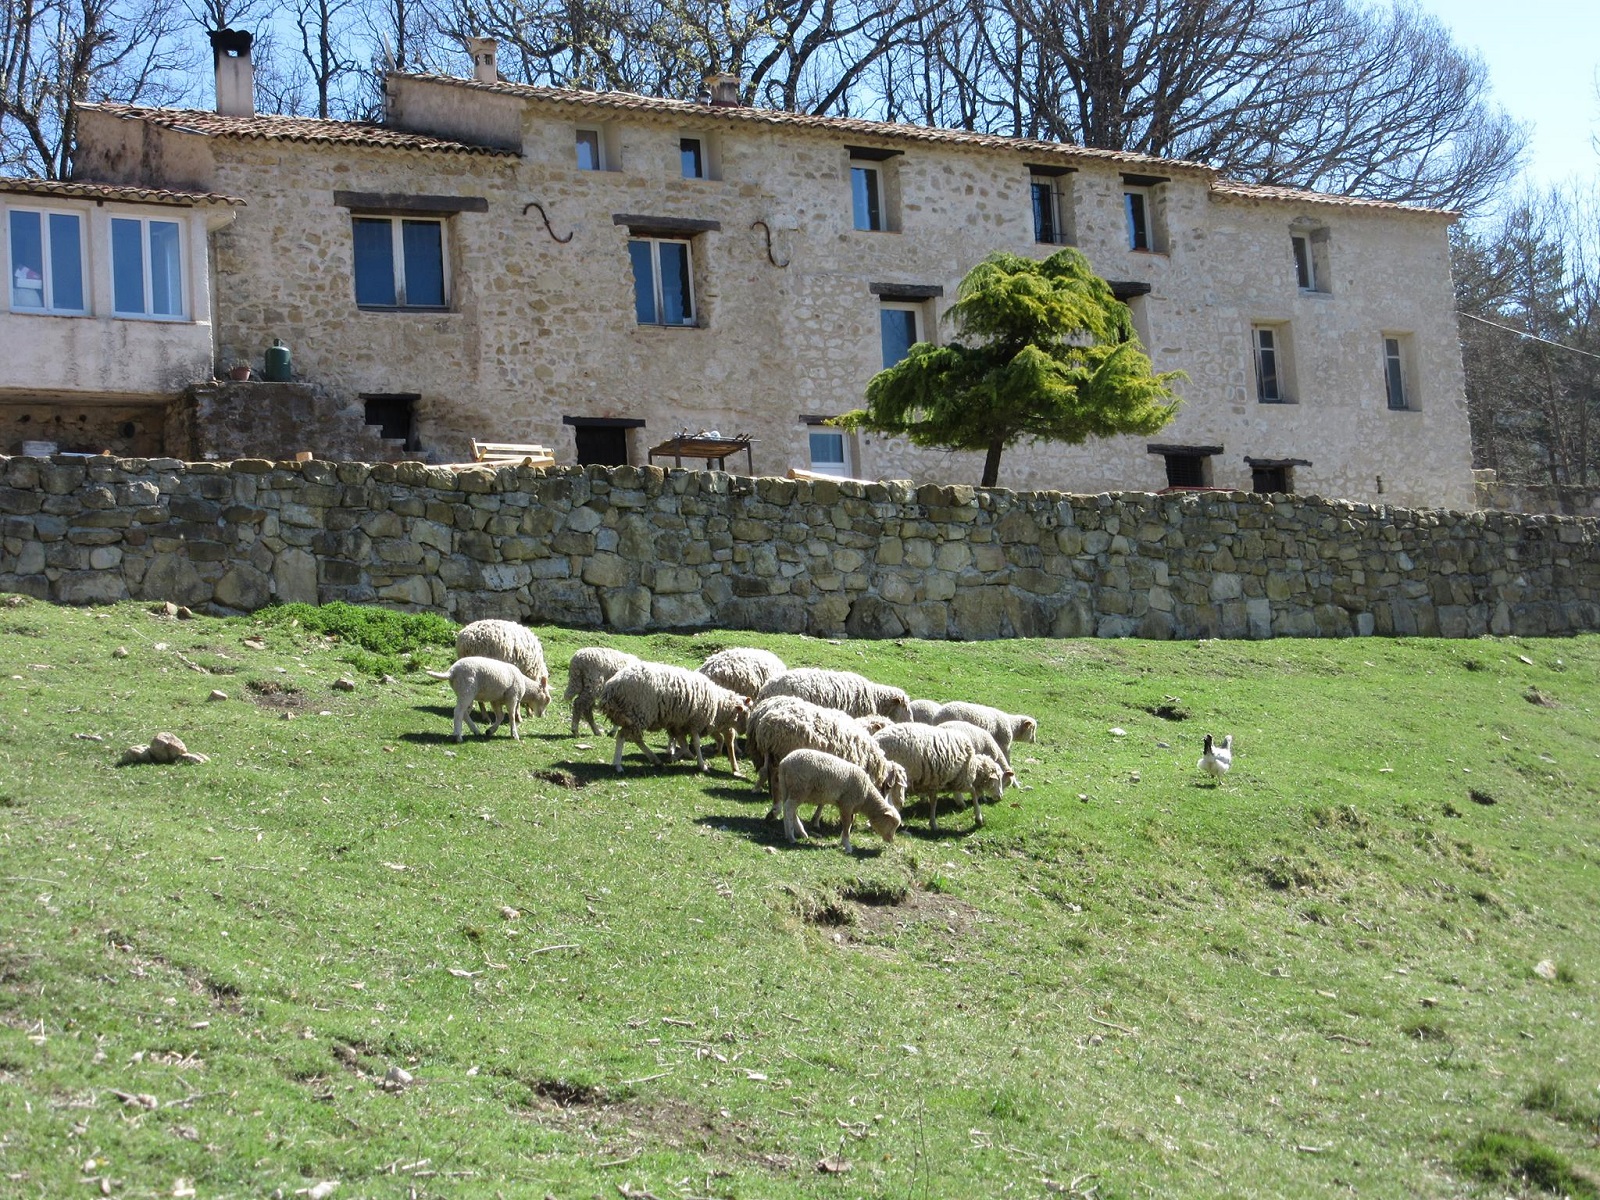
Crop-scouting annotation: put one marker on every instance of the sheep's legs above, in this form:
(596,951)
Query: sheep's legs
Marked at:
(847,820)
(699,755)
(933,812)
(464,712)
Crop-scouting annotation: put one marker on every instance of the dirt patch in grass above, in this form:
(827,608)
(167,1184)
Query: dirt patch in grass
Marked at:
(1168,710)
(282,697)
(560,778)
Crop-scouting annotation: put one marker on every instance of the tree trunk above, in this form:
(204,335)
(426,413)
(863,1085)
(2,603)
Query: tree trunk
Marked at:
(991,465)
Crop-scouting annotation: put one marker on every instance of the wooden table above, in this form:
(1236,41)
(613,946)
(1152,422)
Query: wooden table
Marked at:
(713,448)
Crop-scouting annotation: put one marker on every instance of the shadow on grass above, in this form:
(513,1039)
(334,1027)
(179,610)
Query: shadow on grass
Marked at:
(823,836)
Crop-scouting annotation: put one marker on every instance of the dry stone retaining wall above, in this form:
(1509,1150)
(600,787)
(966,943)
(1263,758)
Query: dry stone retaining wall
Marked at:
(642,548)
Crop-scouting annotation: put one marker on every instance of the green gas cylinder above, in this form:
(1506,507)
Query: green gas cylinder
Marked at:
(277,362)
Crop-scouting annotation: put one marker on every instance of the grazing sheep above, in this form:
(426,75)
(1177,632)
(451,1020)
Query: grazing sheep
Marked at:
(874,722)
(587,673)
(500,685)
(684,703)
(781,724)
(506,641)
(1003,726)
(941,760)
(742,669)
(813,777)
(983,742)
(922,711)
(844,690)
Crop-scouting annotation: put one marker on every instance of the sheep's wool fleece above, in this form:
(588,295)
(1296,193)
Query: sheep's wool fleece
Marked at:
(650,696)
(743,669)
(505,640)
(982,740)
(843,690)
(782,724)
(591,667)
(935,758)
(1002,726)
(816,777)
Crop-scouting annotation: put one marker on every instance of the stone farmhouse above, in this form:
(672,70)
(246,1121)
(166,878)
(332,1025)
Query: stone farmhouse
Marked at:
(597,272)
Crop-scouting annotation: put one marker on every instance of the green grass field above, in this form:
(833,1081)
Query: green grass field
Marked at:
(1366,964)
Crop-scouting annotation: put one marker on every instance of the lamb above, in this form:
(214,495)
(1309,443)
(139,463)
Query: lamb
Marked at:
(922,711)
(781,724)
(508,642)
(937,760)
(499,684)
(684,703)
(844,690)
(983,742)
(742,669)
(811,776)
(1003,726)
(587,673)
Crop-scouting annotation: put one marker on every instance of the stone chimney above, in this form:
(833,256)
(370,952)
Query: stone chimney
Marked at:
(485,59)
(724,91)
(236,78)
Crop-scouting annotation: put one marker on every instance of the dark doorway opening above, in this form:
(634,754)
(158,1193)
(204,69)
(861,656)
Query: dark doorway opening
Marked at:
(1272,479)
(601,445)
(395,414)
(1187,470)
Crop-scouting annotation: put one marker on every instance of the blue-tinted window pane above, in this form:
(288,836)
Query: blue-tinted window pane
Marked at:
(374,246)
(166,269)
(899,330)
(1394,376)
(693,162)
(66,262)
(27,260)
(827,450)
(677,296)
(644,282)
(423,242)
(864,198)
(588,150)
(127,266)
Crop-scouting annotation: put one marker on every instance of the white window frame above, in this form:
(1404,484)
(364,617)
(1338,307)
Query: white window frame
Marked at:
(702,154)
(398,258)
(919,311)
(1305,262)
(47,291)
(843,468)
(874,173)
(599,135)
(1147,207)
(1279,352)
(147,266)
(655,244)
(1396,360)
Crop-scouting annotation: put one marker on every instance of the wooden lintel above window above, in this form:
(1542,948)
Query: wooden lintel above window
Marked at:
(816,418)
(906,291)
(643,226)
(1144,180)
(1195,451)
(1127,289)
(1052,170)
(403,204)
(873,153)
(1276,462)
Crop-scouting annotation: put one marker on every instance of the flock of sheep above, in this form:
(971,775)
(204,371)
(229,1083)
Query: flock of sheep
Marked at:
(816,736)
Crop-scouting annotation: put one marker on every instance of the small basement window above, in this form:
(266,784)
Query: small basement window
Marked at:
(1187,466)
(1269,475)
(602,441)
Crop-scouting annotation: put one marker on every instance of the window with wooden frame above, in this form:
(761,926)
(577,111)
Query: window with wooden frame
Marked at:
(1398,388)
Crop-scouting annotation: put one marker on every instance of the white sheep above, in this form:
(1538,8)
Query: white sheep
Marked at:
(498,684)
(742,669)
(814,777)
(843,690)
(506,641)
(686,705)
(983,742)
(1003,726)
(587,673)
(941,760)
(781,724)
(874,722)
(922,711)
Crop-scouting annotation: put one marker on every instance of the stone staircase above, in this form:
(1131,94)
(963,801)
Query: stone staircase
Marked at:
(224,420)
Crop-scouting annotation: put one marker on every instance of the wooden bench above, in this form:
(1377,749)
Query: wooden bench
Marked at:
(512,454)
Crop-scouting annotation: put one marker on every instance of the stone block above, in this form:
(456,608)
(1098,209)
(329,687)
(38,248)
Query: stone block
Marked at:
(89,587)
(412,589)
(244,588)
(173,577)
(873,617)
(294,577)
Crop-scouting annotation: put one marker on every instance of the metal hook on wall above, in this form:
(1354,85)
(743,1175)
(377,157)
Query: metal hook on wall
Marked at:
(767,229)
(551,231)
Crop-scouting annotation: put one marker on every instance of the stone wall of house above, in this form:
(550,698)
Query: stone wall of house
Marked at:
(541,322)
(643,548)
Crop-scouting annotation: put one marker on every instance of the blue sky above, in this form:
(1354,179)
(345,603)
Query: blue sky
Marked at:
(1542,57)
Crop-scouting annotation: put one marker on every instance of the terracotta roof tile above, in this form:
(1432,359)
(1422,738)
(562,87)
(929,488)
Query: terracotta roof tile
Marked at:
(76,190)
(629,102)
(1233,189)
(291,129)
